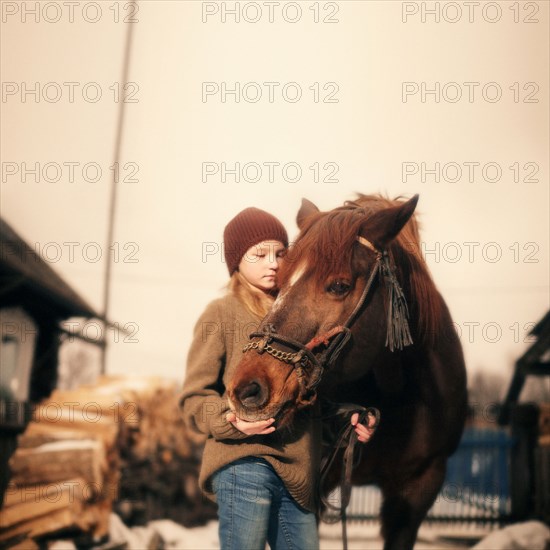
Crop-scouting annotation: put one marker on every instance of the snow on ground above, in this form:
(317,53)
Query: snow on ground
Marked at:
(176,537)
(530,535)
(367,537)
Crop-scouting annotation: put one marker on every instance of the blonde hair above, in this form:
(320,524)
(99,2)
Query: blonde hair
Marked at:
(255,300)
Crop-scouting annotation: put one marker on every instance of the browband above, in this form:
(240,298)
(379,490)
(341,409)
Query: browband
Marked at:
(368,244)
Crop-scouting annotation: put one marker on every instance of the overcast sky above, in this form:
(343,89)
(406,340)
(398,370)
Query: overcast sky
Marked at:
(328,99)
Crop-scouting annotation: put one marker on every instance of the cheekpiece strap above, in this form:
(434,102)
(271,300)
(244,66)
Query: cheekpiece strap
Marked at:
(398,334)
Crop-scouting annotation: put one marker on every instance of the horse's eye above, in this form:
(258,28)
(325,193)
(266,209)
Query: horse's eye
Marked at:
(338,288)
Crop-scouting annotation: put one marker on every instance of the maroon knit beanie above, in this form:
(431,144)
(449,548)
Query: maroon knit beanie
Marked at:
(250,227)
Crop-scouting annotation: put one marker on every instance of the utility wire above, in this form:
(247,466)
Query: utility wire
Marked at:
(114,184)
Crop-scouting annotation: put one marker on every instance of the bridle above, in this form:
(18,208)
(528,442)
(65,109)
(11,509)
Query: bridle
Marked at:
(301,356)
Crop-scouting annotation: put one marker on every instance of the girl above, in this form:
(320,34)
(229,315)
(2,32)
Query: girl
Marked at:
(264,481)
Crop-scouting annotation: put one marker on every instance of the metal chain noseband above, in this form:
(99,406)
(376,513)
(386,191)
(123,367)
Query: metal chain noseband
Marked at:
(284,356)
(301,359)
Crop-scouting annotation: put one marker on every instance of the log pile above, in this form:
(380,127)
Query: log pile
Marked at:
(116,445)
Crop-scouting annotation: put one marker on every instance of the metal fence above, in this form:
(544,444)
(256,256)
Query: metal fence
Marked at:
(476,487)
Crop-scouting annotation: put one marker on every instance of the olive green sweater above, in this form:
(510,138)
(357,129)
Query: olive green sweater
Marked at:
(219,336)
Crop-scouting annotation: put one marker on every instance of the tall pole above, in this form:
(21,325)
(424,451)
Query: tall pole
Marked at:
(114,184)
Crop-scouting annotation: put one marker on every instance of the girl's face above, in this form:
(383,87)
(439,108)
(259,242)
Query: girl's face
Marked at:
(260,263)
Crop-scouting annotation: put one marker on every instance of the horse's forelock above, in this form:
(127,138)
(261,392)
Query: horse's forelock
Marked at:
(324,246)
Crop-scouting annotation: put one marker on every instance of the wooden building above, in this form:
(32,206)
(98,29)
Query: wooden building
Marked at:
(530,427)
(34,301)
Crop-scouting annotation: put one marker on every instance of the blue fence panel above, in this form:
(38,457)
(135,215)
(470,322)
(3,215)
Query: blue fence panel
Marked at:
(477,482)
(476,486)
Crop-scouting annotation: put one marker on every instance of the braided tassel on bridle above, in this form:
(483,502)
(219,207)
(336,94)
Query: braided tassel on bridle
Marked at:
(398,334)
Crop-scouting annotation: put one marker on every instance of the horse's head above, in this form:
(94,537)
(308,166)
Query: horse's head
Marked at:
(330,279)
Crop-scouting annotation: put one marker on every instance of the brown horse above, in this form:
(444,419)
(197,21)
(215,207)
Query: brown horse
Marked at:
(357,270)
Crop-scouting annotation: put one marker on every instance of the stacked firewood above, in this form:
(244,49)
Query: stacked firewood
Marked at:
(116,445)
(160,461)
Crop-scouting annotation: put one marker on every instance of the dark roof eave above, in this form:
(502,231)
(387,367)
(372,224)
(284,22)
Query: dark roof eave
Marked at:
(19,260)
(67,308)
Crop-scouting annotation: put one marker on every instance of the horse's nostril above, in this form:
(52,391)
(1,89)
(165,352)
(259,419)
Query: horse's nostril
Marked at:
(251,394)
(250,390)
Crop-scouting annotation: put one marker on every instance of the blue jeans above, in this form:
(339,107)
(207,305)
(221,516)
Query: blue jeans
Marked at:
(254,507)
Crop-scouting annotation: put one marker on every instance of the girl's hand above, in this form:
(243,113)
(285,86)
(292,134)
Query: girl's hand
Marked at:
(261,427)
(364,433)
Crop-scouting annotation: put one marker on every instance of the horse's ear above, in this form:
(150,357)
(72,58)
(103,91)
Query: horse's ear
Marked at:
(306,210)
(383,226)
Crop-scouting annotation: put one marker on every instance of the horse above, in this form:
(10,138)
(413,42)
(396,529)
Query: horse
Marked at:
(359,319)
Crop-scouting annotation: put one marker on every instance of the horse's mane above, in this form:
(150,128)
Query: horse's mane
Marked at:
(326,244)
